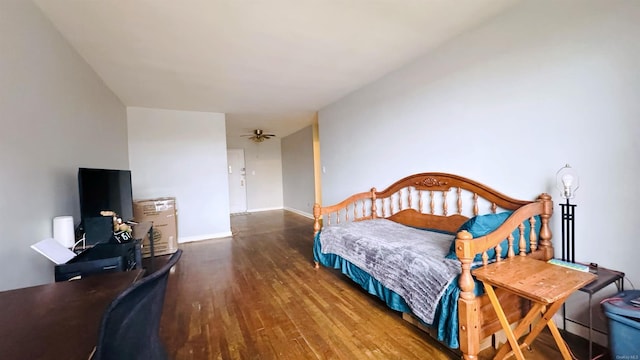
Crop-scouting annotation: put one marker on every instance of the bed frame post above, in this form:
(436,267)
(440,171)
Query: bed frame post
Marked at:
(316,225)
(545,232)
(316,218)
(468,309)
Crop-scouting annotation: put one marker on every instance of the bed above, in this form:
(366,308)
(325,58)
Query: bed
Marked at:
(446,224)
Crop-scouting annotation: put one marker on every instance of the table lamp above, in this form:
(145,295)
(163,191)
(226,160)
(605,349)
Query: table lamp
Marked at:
(567,181)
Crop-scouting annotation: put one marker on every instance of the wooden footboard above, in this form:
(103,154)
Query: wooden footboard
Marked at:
(444,202)
(477,318)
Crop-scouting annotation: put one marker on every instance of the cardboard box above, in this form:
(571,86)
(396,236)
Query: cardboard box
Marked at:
(163,213)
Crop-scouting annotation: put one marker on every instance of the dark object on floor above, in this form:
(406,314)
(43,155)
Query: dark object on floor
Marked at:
(130,325)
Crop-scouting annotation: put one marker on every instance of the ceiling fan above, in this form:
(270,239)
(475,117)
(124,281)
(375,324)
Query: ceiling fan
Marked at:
(259,136)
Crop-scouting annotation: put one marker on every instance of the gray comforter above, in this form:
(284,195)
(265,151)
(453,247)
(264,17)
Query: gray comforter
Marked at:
(409,261)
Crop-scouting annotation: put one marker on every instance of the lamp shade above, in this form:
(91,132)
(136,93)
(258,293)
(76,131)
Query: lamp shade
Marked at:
(567,181)
(63,231)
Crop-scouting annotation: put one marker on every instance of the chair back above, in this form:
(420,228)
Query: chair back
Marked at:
(131,324)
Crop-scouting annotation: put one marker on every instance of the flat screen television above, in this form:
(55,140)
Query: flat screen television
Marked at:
(105,190)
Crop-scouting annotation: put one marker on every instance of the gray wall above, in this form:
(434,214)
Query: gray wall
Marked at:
(546,83)
(182,154)
(297,172)
(56,116)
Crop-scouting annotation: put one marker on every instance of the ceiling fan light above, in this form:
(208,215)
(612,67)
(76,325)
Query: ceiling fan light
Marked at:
(259,136)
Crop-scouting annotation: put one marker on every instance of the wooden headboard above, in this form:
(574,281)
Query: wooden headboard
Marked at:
(422,200)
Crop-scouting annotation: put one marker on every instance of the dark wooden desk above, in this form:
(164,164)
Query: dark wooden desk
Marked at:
(58,320)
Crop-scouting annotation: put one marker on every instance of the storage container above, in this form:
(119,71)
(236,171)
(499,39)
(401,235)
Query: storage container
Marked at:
(624,325)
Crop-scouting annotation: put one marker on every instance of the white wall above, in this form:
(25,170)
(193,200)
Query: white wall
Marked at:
(547,83)
(56,116)
(264,172)
(182,154)
(297,172)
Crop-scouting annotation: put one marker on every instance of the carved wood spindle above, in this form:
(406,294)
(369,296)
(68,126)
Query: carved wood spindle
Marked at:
(498,250)
(364,209)
(459,201)
(374,203)
(410,196)
(346,213)
(355,214)
(432,204)
(389,206)
(475,204)
(510,252)
(384,207)
(494,208)
(445,204)
(374,208)
(522,244)
(399,200)
(392,203)
(533,241)
(485,258)
(420,202)
(545,231)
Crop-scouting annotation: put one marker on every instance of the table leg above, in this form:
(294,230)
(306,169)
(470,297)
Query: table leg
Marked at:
(590,328)
(151,249)
(547,320)
(559,340)
(535,310)
(504,322)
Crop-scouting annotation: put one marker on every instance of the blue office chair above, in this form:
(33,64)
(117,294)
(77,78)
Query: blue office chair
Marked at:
(130,325)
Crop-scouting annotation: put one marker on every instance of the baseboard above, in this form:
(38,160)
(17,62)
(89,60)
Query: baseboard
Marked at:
(307,215)
(264,209)
(187,239)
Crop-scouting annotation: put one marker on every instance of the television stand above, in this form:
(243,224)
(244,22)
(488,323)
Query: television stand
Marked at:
(110,257)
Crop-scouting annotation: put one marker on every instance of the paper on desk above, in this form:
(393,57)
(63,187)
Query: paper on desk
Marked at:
(53,251)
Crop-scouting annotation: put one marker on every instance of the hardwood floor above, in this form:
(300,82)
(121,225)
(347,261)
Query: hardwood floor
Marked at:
(257,296)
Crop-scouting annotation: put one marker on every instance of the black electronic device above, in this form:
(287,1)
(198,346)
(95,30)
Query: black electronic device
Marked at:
(98,229)
(101,258)
(105,190)
(75,268)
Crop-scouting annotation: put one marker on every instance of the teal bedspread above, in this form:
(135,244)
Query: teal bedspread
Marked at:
(446,316)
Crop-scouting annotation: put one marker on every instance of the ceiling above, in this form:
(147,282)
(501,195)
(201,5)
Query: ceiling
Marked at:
(266,64)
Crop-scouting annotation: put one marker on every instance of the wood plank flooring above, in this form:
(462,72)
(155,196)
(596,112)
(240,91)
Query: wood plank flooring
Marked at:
(257,296)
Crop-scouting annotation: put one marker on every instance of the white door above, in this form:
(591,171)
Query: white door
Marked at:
(237,183)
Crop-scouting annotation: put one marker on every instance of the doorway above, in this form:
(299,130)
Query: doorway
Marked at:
(237,181)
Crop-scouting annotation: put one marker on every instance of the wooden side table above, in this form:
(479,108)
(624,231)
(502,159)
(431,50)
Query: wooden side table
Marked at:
(547,286)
